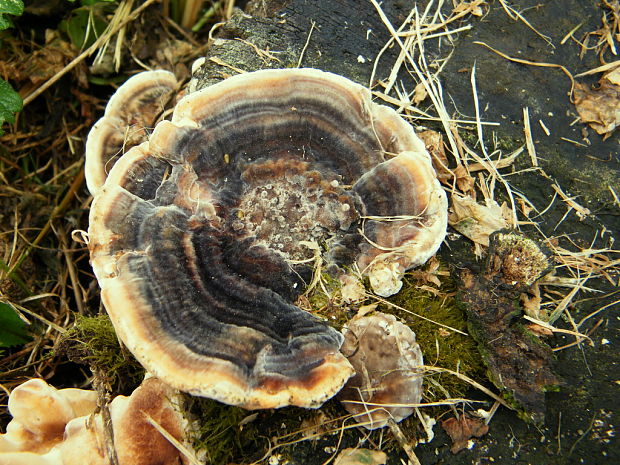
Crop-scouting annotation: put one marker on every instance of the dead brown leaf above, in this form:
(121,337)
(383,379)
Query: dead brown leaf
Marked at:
(524,207)
(600,108)
(419,94)
(433,141)
(464,181)
(476,221)
(538,330)
(429,274)
(461,430)
(531,302)
(44,63)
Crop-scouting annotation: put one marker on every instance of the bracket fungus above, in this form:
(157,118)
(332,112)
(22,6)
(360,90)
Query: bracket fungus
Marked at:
(129,115)
(199,236)
(388,366)
(61,427)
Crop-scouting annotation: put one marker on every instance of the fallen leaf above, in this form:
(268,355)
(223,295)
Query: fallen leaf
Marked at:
(419,94)
(461,430)
(538,330)
(50,59)
(433,141)
(531,304)
(600,108)
(525,208)
(464,181)
(476,221)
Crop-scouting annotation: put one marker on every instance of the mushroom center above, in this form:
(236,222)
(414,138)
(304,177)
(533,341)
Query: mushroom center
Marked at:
(286,205)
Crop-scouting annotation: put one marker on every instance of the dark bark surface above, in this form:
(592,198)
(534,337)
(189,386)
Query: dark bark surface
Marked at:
(346,37)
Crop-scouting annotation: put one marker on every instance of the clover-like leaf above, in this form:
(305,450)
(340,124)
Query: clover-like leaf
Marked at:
(10,103)
(9,7)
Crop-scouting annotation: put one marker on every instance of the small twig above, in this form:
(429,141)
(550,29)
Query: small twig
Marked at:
(534,63)
(529,141)
(402,441)
(303,50)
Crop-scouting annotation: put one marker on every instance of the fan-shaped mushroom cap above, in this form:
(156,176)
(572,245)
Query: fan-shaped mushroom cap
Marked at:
(200,238)
(60,427)
(388,364)
(129,115)
(40,413)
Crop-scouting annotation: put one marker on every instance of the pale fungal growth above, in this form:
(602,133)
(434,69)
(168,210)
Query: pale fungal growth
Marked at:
(129,116)
(40,415)
(388,365)
(61,427)
(203,237)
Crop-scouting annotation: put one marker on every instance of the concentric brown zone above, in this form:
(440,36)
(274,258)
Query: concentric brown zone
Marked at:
(205,305)
(130,116)
(398,188)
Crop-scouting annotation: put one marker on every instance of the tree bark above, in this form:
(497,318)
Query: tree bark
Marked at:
(341,36)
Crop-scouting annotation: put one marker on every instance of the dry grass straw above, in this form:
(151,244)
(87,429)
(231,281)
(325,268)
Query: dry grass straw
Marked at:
(577,265)
(534,63)
(103,39)
(340,424)
(515,15)
(39,193)
(189,454)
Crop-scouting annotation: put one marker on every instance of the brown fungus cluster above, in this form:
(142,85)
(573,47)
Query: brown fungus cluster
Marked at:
(203,237)
(65,427)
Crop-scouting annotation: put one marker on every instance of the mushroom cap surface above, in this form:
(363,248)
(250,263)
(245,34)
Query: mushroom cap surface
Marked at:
(388,363)
(129,115)
(201,237)
(60,427)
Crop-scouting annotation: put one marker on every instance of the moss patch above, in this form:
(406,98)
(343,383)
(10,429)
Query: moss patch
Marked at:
(225,432)
(92,341)
(441,347)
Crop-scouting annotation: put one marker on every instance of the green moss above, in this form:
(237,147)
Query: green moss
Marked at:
(222,435)
(92,341)
(441,347)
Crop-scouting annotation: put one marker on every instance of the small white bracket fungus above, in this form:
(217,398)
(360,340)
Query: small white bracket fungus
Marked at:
(388,364)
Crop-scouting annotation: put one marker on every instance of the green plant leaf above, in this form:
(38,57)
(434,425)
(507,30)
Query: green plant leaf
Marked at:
(9,7)
(13,330)
(10,103)
(85,24)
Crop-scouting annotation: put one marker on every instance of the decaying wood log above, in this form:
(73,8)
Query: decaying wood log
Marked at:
(302,33)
